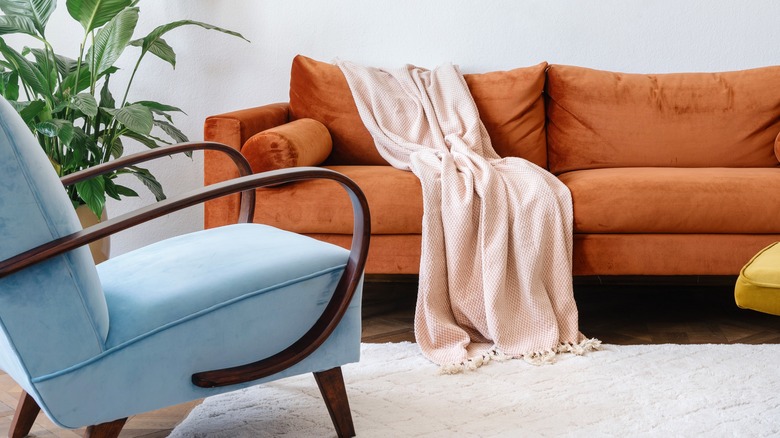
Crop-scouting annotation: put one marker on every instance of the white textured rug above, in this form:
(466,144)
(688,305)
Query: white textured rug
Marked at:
(645,390)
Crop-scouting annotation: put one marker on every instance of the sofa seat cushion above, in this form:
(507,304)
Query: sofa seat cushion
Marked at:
(675,200)
(181,278)
(394,197)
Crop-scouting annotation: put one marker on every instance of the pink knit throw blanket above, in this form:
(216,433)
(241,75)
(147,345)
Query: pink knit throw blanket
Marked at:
(495,272)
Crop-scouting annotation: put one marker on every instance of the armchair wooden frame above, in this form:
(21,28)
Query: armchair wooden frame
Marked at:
(330,382)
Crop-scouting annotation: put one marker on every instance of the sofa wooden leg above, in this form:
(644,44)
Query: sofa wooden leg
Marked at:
(105,430)
(331,384)
(24,416)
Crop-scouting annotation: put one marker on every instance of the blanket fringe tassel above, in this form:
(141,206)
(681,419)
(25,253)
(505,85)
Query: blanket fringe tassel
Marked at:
(536,358)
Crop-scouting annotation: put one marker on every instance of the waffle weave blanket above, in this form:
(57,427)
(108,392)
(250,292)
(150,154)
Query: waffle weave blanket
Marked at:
(495,271)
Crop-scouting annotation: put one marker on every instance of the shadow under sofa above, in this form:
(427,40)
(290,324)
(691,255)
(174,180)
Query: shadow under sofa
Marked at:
(670,174)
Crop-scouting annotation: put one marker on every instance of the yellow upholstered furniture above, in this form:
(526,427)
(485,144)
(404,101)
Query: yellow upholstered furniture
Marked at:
(670,174)
(758,285)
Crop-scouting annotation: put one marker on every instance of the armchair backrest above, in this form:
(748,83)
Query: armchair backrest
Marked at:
(53,314)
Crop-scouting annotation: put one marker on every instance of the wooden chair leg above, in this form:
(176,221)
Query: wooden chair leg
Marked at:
(24,416)
(105,430)
(331,384)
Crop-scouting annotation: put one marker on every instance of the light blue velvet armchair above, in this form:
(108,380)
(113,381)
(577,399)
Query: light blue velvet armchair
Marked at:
(185,318)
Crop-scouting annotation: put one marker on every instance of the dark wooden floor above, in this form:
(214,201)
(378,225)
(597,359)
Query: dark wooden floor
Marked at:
(622,311)
(674,310)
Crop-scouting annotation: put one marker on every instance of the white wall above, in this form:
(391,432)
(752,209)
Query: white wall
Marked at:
(216,73)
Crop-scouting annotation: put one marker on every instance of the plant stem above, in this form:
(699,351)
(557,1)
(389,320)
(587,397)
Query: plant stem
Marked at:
(50,52)
(78,69)
(130,82)
(92,72)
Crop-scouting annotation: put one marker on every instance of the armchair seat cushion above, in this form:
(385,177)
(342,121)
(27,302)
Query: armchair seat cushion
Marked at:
(182,306)
(169,282)
(675,200)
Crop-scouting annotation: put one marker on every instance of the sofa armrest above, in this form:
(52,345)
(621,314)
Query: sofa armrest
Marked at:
(233,129)
(303,142)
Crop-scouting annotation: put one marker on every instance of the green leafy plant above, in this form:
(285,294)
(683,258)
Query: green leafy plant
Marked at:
(68,104)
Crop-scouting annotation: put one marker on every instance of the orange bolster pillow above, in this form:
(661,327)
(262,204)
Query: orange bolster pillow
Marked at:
(304,142)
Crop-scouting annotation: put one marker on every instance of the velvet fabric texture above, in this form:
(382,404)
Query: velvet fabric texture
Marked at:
(323,206)
(510,105)
(600,119)
(303,142)
(233,129)
(665,254)
(598,254)
(54,314)
(758,285)
(388,254)
(777,147)
(92,345)
(598,122)
(675,200)
(180,315)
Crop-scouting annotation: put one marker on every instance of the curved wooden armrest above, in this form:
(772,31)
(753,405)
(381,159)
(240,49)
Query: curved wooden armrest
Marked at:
(321,329)
(247,206)
(334,311)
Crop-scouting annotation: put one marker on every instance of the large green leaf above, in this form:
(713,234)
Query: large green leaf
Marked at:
(30,111)
(46,66)
(31,76)
(154,36)
(62,129)
(15,24)
(112,39)
(172,131)
(93,193)
(106,98)
(158,107)
(115,190)
(85,103)
(64,64)
(79,149)
(159,48)
(9,85)
(37,11)
(69,86)
(94,13)
(117,148)
(149,181)
(136,118)
(125,191)
(145,140)
(111,189)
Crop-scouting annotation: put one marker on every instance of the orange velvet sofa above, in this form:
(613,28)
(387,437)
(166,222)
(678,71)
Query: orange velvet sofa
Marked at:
(670,174)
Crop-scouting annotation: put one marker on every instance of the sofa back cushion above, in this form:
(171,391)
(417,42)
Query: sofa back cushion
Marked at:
(510,104)
(599,119)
